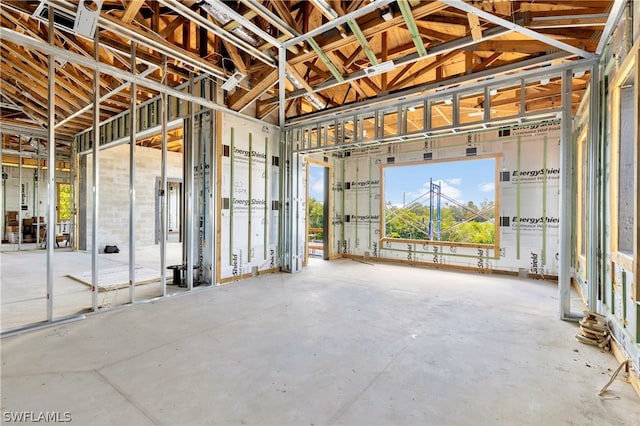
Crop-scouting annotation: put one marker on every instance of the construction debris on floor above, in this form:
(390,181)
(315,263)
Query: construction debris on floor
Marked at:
(594,330)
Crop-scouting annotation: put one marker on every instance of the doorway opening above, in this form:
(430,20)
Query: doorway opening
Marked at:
(318,218)
(174,208)
(174,211)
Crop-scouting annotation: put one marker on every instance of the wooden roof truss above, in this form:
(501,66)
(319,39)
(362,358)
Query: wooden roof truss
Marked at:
(337,53)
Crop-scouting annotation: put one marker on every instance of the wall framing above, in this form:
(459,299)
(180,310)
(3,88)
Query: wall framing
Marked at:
(629,66)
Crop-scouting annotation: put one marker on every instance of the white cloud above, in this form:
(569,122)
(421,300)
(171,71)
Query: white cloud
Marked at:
(487,187)
(316,187)
(451,191)
(445,188)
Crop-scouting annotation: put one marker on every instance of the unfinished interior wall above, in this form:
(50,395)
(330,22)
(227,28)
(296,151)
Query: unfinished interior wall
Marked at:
(618,295)
(26,193)
(249,197)
(113,209)
(527,200)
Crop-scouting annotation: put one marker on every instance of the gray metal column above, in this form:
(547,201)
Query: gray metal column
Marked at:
(19,195)
(96,170)
(188,148)
(133,118)
(51,169)
(163,182)
(286,217)
(212,204)
(593,280)
(566,196)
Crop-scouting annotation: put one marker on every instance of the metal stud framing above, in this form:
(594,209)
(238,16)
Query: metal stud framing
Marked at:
(345,128)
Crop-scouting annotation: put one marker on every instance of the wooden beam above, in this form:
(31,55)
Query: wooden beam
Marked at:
(374,27)
(526,46)
(319,71)
(384,53)
(36,83)
(352,58)
(338,58)
(298,77)
(487,62)
(233,24)
(283,11)
(426,68)
(172,26)
(434,35)
(265,83)
(468,62)
(236,58)
(474,26)
(131,11)
(71,86)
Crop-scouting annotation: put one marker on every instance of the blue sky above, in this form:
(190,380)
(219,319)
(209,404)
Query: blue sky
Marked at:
(469,180)
(316,182)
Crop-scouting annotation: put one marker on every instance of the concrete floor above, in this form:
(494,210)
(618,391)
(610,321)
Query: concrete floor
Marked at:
(340,343)
(23,282)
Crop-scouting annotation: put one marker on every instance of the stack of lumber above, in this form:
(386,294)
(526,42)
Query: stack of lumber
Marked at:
(594,330)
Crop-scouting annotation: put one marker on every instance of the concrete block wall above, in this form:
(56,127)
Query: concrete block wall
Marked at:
(113,211)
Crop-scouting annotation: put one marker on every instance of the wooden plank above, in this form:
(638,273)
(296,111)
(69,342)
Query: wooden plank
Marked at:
(468,62)
(263,84)
(282,9)
(352,58)
(474,26)
(172,26)
(38,85)
(71,86)
(374,27)
(385,55)
(338,58)
(233,24)
(526,46)
(436,63)
(487,62)
(265,110)
(298,77)
(434,35)
(133,6)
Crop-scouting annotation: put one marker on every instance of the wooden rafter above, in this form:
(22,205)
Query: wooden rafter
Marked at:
(133,6)
(265,83)
(474,26)
(426,68)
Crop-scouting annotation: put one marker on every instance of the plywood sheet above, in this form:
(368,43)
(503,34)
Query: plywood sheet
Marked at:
(117,277)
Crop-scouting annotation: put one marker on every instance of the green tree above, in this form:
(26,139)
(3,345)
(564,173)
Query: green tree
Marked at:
(64,202)
(458,223)
(316,215)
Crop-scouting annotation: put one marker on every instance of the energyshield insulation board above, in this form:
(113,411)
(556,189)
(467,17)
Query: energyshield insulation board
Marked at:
(249,197)
(526,216)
